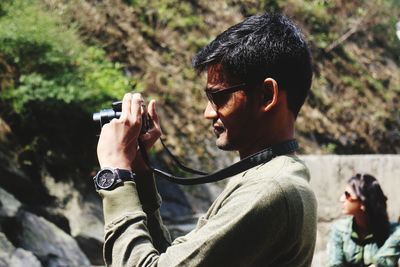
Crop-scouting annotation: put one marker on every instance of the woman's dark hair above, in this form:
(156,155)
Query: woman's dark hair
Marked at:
(368,190)
(262,46)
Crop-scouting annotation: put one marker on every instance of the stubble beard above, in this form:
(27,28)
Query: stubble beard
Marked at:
(224,143)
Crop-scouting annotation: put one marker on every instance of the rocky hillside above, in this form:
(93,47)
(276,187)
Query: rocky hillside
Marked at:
(355,60)
(60,61)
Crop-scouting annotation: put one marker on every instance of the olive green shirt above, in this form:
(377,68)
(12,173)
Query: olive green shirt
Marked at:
(266,216)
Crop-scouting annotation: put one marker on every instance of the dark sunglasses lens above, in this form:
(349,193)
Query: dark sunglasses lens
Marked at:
(220,99)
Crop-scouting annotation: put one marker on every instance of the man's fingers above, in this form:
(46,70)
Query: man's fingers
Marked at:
(151,136)
(145,137)
(153,114)
(126,106)
(136,106)
(131,107)
(152,110)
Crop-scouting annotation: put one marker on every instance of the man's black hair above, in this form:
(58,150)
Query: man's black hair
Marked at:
(260,47)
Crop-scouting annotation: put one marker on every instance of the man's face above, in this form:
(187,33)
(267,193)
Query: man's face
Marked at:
(233,120)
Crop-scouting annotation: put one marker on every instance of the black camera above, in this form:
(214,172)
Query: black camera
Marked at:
(106,115)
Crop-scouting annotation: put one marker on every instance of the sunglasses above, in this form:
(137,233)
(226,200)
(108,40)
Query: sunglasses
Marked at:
(349,197)
(218,98)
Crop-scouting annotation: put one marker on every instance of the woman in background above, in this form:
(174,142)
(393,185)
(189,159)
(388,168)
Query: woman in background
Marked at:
(366,237)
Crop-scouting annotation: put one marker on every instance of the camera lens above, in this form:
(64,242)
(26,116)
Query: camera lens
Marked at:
(105,116)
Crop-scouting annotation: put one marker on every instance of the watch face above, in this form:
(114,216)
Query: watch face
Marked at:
(105,179)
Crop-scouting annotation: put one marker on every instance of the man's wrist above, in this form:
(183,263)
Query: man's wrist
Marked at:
(115,162)
(119,167)
(110,178)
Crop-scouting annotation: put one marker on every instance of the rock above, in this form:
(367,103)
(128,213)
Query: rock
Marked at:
(15,257)
(17,182)
(84,213)
(174,202)
(398,30)
(9,205)
(50,244)
(5,130)
(23,258)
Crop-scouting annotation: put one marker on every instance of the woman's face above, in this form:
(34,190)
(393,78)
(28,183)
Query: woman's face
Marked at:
(351,204)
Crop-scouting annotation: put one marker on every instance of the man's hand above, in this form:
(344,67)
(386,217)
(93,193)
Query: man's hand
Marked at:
(152,135)
(117,144)
(149,138)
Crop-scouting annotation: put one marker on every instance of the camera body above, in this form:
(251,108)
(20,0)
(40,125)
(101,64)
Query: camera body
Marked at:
(106,115)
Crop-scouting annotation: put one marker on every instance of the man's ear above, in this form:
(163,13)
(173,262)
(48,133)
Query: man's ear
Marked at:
(269,93)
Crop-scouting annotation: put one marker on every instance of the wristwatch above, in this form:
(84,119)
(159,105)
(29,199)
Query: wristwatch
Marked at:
(109,178)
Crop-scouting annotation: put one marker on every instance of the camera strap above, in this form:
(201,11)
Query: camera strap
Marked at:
(258,158)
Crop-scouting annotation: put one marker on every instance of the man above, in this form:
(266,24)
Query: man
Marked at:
(258,76)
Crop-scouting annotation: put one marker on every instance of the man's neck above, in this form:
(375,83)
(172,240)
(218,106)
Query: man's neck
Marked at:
(243,153)
(274,127)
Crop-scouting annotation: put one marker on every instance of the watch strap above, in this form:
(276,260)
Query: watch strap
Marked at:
(120,176)
(125,175)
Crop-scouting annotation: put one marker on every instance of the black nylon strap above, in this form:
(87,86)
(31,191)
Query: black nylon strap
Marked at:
(125,175)
(178,163)
(238,167)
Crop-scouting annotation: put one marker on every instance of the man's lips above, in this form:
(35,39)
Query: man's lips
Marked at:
(218,129)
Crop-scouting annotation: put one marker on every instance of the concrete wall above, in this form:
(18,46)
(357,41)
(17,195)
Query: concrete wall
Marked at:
(328,178)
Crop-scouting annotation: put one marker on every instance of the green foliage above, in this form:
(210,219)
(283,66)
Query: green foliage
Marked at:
(56,77)
(101,79)
(385,35)
(174,14)
(316,14)
(329,148)
(251,7)
(33,39)
(60,81)
(353,82)
(52,62)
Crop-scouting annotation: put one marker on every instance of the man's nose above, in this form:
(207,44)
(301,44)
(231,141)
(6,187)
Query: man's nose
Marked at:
(209,112)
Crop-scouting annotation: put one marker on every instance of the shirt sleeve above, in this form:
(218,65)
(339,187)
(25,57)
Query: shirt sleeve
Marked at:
(335,248)
(245,224)
(389,254)
(151,202)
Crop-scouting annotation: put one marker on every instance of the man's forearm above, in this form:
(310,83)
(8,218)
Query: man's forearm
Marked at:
(147,191)
(126,226)
(145,198)
(151,202)
(158,232)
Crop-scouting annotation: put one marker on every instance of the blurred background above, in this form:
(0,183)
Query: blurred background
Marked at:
(62,60)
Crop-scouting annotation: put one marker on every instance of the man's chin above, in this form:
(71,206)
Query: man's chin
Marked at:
(224,145)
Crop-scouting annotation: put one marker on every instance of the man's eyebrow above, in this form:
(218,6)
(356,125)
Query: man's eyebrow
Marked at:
(213,88)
